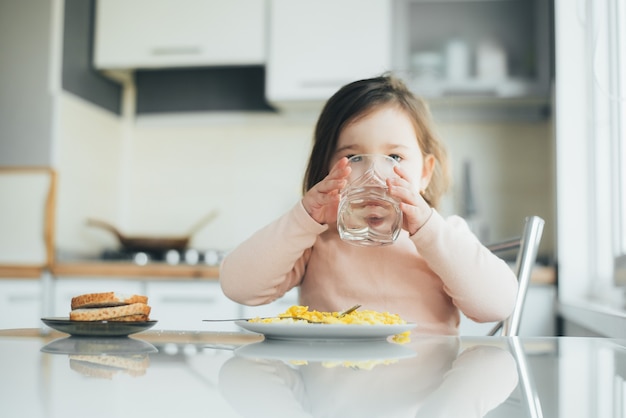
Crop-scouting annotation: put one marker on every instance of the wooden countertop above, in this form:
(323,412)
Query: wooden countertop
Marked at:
(154,271)
(17,271)
(160,271)
(118,270)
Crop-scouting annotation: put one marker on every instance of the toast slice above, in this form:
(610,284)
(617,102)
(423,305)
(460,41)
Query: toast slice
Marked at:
(106,299)
(130,318)
(132,312)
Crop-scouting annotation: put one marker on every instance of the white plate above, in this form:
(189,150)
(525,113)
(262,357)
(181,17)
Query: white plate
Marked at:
(332,350)
(322,332)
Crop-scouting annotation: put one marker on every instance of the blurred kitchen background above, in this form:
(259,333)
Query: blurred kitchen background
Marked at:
(154,113)
(220,107)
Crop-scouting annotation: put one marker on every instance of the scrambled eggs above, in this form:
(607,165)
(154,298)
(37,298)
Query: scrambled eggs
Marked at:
(298,313)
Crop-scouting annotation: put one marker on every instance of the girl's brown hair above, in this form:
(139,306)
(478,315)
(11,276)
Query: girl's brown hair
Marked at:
(357,99)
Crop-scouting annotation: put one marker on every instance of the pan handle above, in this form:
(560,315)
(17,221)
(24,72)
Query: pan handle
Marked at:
(107,226)
(202,222)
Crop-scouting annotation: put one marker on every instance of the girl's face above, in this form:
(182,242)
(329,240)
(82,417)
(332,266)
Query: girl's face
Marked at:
(388,131)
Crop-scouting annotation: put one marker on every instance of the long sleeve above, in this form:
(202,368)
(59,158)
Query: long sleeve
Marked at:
(481,285)
(272,261)
(426,278)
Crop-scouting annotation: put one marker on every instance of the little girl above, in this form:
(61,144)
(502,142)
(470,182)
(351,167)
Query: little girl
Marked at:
(435,268)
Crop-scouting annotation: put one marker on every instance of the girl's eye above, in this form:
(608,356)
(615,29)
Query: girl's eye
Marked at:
(396,157)
(351,157)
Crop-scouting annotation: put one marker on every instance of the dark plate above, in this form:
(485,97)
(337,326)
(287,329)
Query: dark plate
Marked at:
(97,328)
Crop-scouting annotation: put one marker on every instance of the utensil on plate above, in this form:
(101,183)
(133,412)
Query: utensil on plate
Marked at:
(340,315)
(264,317)
(348,311)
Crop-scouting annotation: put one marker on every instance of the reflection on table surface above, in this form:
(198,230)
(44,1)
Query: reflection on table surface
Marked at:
(161,374)
(385,383)
(104,357)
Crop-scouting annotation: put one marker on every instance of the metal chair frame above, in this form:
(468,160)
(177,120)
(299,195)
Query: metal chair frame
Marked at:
(527,245)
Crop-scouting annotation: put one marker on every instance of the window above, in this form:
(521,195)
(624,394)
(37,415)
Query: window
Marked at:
(608,40)
(590,122)
(605,32)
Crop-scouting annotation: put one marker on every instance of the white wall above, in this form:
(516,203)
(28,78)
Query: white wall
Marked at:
(89,164)
(172,169)
(512,165)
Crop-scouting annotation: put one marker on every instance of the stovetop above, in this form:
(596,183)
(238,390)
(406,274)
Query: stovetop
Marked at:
(189,256)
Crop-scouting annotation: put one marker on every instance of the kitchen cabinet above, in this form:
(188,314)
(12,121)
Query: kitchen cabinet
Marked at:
(178,33)
(315,47)
(20,304)
(183,306)
(28,100)
(488,49)
(495,48)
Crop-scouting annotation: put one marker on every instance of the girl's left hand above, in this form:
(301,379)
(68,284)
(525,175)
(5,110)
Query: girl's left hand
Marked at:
(415,210)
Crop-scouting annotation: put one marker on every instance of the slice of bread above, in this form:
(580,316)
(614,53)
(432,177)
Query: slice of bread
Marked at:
(106,299)
(131,312)
(131,318)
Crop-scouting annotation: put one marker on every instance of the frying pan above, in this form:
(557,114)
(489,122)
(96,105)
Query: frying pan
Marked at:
(153,243)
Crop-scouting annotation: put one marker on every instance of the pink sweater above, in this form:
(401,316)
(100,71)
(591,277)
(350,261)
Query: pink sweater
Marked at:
(425,278)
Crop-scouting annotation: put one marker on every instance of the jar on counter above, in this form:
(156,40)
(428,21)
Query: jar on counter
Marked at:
(491,61)
(458,60)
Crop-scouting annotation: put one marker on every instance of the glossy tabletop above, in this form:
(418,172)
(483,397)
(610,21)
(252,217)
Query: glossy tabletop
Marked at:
(206,374)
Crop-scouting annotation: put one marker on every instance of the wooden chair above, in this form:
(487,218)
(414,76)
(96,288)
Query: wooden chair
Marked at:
(527,246)
(17,212)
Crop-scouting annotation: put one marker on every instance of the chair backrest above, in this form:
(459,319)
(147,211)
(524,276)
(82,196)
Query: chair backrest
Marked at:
(527,246)
(27,220)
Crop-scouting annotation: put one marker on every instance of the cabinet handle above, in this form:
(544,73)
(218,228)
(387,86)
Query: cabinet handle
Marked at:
(176,50)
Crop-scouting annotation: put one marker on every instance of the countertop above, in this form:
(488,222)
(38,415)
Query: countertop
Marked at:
(542,275)
(112,269)
(130,270)
(240,374)
(603,317)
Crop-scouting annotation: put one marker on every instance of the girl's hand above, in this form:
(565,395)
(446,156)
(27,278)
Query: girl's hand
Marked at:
(322,200)
(415,209)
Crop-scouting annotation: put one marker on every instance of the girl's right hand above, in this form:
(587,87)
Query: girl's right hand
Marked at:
(322,200)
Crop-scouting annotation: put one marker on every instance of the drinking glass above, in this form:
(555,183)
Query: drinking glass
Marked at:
(367,215)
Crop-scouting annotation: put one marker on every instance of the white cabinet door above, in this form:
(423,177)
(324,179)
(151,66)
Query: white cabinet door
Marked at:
(315,47)
(175,33)
(20,304)
(183,306)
